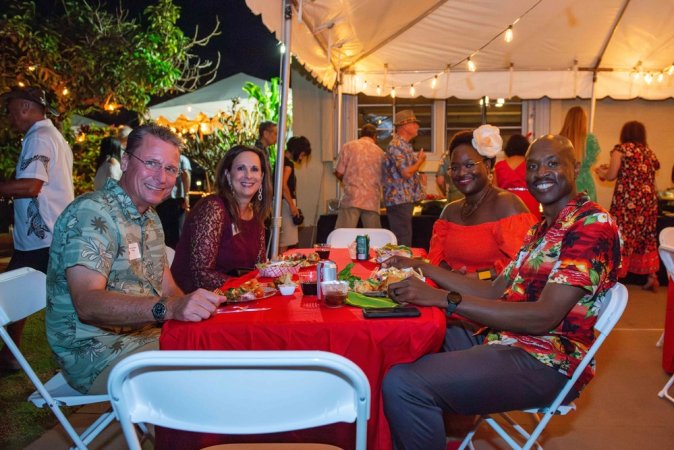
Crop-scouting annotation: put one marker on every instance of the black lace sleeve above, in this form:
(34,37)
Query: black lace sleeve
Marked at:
(211,218)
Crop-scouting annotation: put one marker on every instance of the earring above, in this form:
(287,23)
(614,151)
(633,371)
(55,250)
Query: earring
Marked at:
(490,177)
(229,180)
(259,194)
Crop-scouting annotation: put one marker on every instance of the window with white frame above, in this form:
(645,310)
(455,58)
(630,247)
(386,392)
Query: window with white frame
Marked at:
(470,114)
(380,111)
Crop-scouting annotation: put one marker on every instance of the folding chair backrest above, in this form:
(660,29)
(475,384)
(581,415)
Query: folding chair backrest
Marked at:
(666,249)
(22,293)
(239,392)
(342,237)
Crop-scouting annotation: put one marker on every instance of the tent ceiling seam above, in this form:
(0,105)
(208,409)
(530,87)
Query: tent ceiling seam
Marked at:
(609,37)
(416,20)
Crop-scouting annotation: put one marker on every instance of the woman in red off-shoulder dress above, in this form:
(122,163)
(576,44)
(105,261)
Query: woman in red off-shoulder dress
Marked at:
(482,232)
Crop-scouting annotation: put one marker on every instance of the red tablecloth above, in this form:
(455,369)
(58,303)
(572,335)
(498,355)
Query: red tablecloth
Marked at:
(300,323)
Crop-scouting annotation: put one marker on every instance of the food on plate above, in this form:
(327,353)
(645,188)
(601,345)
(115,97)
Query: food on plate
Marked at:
(286,278)
(392,275)
(277,268)
(363,286)
(250,290)
(388,250)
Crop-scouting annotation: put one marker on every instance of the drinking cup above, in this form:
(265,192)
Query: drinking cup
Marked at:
(308,282)
(323,250)
(334,293)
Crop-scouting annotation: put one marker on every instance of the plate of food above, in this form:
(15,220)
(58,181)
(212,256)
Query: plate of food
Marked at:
(378,283)
(249,291)
(381,254)
(277,268)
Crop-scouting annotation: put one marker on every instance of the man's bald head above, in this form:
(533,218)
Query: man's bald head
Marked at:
(560,144)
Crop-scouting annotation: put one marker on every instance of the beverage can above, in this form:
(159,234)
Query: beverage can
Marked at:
(363,247)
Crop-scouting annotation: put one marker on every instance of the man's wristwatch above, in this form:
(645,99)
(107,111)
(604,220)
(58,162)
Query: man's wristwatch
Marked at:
(159,310)
(453,300)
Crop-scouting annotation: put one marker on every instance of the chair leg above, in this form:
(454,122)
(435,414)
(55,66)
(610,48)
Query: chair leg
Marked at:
(661,340)
(664,392)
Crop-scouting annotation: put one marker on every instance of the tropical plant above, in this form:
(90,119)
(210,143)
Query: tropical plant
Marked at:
(268,104)
(89,58)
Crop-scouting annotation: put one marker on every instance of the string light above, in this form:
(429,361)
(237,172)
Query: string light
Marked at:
(21,84)
(32,68)
(434,82)
(509,34)
(670,69)
(648,78)
(661,76)
(393,92)
(471,65)
(412,90)
(378,90)
(364,85)
(282,48)
(65,91)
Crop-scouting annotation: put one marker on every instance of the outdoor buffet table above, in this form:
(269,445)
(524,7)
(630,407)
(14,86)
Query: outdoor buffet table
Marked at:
(301,323)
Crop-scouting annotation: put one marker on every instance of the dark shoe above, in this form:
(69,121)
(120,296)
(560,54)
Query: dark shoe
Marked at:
(652,284)
(9,366)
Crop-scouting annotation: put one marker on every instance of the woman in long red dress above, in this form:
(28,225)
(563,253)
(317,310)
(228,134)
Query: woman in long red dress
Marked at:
(635,201)
(510,172)
(482,232)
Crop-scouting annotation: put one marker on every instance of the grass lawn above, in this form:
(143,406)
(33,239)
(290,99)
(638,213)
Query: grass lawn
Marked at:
(20,421)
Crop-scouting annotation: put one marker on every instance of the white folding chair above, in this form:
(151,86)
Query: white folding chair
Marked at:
(666,251)
(611,310)
(342,237)
(22,293)
(239,392)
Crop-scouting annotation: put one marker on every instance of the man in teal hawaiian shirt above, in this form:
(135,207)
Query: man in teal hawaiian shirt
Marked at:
(538,315)
(401,178)
(108,281)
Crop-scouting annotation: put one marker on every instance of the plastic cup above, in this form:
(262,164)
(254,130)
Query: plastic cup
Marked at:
(308,282)
(323,250)
(334,293)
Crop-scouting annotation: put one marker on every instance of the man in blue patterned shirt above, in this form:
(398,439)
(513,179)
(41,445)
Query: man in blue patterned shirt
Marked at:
(401,177)
(108,281)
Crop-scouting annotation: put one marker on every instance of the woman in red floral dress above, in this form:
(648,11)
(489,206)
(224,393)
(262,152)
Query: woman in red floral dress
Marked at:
(635,202)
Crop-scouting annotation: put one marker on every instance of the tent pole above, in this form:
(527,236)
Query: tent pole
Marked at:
(340,121)
(280,142)
(593,101)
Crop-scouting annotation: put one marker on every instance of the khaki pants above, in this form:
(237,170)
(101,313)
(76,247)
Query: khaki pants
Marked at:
(348,218)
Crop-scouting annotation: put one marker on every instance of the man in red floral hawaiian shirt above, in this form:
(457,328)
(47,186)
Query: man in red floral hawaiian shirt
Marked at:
(538,315)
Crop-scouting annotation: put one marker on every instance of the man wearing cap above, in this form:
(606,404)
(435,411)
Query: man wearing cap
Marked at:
(42,189)
(359,168)
(401,178)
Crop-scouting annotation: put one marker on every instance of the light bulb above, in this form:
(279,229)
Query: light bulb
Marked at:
(486,100)
(378,90)
(393,92)
(509,34)
(32,68)
(21,84)
(471,65)
(648,78)
(364,85)
(670,69)
(412,90)
(661,76)
(65,91)
(282,48)
(434,82)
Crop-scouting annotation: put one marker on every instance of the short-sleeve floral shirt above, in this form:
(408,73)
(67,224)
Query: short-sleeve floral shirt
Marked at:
(397,189)
(581,248)
(102,231)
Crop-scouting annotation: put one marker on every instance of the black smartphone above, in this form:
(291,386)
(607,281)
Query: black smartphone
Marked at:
(387,313)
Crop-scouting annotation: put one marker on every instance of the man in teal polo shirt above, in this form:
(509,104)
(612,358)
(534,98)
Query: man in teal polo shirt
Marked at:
(108,282)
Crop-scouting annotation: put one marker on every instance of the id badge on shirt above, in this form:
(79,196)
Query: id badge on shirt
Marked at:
(134,251)
(235,230)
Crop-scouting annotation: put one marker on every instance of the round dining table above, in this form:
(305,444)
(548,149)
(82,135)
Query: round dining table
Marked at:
(299,322)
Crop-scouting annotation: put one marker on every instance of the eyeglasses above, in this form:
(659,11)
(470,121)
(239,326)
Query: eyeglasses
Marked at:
(156,166)
(468,165)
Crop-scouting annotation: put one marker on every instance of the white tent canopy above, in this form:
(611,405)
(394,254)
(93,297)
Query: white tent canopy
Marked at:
(210,99)
(558,46)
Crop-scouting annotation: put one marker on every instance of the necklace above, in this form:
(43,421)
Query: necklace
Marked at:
(468,209)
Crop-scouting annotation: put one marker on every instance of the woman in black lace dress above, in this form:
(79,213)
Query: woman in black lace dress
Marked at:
(224,232)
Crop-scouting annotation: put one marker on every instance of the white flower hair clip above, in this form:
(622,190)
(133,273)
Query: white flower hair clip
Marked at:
(487,141)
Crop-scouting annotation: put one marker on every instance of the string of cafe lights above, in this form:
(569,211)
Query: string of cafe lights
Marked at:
(507,33)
